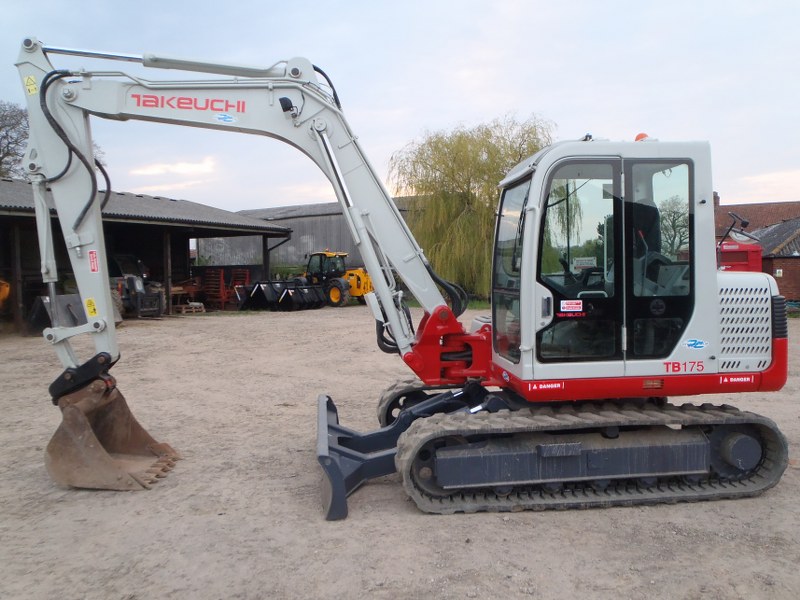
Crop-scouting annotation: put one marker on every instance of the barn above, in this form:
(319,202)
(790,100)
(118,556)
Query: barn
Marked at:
(314,227)
(156,230)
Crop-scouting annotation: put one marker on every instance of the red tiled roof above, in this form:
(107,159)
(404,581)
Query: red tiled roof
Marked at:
(760,214)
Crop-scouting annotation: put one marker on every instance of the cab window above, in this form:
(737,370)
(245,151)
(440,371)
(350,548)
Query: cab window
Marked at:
(659,233)
(507,270)
(576,262)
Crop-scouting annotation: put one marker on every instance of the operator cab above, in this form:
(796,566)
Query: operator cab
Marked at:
(325,265)
(593,261)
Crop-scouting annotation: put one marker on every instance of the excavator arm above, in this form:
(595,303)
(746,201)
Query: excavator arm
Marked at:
(291,101)
(286,101)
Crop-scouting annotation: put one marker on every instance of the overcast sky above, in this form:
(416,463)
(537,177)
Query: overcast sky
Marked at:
(723,71)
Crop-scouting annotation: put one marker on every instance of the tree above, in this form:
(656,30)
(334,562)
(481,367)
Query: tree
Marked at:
(454,176)
(13,137)
(14,130)
(563,221)
(674,225)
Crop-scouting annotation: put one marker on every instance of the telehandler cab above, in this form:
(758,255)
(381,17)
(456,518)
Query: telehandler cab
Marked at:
(602,308)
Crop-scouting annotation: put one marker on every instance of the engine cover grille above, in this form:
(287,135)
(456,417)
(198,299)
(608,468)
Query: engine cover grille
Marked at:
(745,326)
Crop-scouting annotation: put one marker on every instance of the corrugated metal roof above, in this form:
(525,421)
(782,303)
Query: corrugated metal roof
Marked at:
(322,209)
(781,239)
(16,197)
(292,212)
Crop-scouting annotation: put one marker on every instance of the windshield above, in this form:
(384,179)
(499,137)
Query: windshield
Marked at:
(334,263)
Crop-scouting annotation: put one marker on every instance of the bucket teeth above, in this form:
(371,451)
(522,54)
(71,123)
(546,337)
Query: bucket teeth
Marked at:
(144,482)
(159,472)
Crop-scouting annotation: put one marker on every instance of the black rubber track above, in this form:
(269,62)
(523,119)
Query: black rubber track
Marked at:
(583,495)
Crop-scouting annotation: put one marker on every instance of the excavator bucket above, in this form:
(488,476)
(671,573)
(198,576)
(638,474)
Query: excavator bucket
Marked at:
(101,445)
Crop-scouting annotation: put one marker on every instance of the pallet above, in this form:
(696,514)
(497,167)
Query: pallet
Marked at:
(192,307)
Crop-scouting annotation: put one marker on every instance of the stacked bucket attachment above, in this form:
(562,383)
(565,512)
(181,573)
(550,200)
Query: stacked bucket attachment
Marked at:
(284,296)
(100,444)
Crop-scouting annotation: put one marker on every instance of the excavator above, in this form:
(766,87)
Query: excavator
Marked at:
(606,301)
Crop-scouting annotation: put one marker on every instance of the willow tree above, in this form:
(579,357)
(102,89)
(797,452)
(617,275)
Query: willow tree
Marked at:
(453,177)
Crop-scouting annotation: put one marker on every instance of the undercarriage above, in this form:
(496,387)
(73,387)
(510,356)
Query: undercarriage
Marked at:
(471,450)
(588,456)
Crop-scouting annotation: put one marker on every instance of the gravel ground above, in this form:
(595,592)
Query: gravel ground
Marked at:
(240,517)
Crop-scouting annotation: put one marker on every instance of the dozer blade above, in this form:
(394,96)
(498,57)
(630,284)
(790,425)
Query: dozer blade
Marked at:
(101,445)
(349,458)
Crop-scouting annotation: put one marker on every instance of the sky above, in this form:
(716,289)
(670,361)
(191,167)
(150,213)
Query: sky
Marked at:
(725,71)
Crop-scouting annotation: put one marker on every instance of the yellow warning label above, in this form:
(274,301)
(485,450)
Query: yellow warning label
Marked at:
(91,307)
(31,86)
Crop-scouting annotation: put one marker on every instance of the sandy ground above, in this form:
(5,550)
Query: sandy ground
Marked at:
(240,517)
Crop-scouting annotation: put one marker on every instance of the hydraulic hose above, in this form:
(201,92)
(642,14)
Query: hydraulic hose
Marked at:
(107,179)
(455,293)
(330,84)
(51,120)
(48,80)
(386,341)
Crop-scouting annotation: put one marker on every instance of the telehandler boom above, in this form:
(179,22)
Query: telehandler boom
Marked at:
(606,300)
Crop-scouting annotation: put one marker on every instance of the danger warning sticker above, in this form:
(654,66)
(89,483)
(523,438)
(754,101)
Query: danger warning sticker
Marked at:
(546,385)
(94,267)
(734,379)
(571,305)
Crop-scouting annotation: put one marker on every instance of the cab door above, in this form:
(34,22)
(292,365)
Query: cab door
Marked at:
(659,240)
(579,299)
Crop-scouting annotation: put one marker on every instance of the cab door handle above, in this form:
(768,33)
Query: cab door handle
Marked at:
(547,307)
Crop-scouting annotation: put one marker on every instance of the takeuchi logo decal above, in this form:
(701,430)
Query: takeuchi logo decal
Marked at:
(695,344)
(220,105)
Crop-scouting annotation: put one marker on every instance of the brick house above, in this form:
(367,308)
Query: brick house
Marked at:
(777,226)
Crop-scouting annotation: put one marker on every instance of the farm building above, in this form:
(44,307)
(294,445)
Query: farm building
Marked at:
(155,230)
(314,227)
(781,255)
(776,225)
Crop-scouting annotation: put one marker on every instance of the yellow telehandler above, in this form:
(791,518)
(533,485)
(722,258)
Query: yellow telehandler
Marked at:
(329,270)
